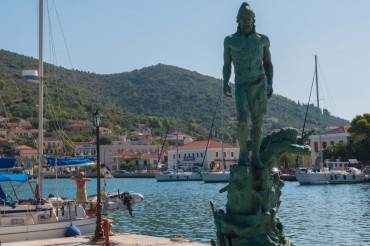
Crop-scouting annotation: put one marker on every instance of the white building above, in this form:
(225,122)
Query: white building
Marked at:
(195,154)
(335,136)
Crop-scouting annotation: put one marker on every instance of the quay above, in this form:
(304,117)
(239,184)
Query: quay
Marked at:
(93,175)
(122,239)
(137,175)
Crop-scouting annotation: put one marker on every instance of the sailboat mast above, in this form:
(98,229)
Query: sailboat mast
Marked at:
(319,111)
(222,127)
(177,136)
(41,93)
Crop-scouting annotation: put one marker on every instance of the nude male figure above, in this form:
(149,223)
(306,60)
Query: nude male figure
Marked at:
(249,53)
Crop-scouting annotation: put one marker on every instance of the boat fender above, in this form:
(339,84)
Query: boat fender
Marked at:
(72,231)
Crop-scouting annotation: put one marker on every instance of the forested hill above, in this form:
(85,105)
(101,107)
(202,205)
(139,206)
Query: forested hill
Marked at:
(125,98)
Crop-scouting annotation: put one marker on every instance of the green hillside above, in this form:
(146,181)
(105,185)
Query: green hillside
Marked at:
(140,96)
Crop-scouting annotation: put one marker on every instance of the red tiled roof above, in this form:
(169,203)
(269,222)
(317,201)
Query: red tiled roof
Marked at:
(129,155)
(22,147)
(342,129)
(203,145)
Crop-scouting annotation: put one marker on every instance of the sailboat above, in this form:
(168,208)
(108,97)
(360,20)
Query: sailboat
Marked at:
(177,175)
(219,176)
(323,175)
(38,218)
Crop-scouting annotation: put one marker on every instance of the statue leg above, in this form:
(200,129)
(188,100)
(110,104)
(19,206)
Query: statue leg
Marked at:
(243,138)
(256,136)
(242,117)
(258,106)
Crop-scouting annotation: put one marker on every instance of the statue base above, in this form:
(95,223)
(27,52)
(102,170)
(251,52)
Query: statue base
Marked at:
(253,202)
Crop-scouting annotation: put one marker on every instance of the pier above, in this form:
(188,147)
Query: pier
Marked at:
(122,239)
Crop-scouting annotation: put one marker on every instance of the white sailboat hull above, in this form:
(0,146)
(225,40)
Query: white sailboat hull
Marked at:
(216,177)
(183,176)
(44,231)
(314,178)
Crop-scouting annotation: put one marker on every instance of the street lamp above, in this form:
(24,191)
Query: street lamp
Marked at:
(96,119)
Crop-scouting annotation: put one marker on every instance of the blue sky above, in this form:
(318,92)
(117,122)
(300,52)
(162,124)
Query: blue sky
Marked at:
(116,36)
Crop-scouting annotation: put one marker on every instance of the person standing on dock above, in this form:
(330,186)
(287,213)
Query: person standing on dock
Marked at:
(81,195)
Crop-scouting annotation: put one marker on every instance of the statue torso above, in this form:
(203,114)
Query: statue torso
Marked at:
(247,55)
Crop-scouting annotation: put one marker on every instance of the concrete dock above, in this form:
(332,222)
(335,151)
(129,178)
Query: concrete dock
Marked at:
(123,239)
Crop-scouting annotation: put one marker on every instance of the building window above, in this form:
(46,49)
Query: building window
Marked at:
(232,153)
(173,156)
(316,146)
(197,155)
(324,145)
(201,154)
(332,143)
(224,154)
(216,154)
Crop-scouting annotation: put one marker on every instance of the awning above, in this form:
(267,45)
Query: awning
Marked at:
(18,177)
(71,162)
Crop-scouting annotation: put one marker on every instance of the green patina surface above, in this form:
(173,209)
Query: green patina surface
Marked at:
(254,190)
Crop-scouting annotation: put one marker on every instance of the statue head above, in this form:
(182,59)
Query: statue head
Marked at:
(246,19)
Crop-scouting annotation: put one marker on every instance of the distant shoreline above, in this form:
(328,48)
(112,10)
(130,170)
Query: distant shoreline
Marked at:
(116,175)
(134,175)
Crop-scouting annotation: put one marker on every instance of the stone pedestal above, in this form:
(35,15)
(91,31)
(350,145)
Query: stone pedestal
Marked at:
(253,197)
(250,217)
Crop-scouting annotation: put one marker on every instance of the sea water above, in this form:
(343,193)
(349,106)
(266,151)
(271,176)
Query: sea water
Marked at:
(311,215)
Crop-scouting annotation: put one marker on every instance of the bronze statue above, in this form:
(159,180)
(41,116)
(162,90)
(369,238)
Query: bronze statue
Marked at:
(254,189)
(249,53)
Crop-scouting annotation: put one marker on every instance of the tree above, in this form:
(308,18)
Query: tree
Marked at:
(359,149)
(128,166)
(360,126)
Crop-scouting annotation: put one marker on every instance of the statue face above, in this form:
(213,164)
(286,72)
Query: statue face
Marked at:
(245,24)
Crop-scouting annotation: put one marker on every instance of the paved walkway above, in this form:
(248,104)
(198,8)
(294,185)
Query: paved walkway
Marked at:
(124,239)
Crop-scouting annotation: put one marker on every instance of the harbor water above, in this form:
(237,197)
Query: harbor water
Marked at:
(311,215)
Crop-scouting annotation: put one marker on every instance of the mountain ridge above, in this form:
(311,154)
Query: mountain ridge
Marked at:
(162,91)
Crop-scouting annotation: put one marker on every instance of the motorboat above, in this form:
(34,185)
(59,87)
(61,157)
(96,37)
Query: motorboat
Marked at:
(170,176)
(349,176)
(216,176)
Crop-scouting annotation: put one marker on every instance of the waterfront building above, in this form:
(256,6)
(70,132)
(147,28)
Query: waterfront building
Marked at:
(194,154)
(331,137)
(142,161)
(111,155)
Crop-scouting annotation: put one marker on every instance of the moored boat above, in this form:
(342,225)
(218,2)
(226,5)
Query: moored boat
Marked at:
(349,176)
(216,177)
(178,176)
(37,218)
